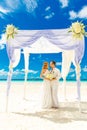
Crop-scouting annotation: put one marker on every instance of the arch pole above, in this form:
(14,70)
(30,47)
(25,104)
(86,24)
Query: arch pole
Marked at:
(26,59)
(8,86)
(78,70)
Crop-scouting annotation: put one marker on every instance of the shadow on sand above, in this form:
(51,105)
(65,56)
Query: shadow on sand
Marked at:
(64,114)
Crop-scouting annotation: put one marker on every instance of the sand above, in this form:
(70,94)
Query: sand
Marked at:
(26,114)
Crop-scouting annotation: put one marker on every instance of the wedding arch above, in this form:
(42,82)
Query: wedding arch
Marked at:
(69,41)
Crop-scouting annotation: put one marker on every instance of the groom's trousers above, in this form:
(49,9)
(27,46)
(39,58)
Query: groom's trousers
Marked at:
(54,90)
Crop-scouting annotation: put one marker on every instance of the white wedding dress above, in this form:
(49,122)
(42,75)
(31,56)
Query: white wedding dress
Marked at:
(46,93)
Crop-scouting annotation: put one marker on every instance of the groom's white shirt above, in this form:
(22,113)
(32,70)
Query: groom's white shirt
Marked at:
(54,86)
(56,73)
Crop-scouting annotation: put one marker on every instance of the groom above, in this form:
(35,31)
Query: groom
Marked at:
(54,83)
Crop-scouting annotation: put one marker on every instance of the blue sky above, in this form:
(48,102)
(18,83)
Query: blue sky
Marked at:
(40,14)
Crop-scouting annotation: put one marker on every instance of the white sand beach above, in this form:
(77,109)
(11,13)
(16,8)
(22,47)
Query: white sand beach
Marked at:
(26,114)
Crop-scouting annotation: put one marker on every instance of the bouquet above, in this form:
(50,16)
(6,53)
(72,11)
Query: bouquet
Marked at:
(49,76)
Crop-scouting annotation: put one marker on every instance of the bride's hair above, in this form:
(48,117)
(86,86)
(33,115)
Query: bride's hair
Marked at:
(45,65)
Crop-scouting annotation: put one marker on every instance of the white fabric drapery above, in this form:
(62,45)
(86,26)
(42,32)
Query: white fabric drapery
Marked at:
(46,41)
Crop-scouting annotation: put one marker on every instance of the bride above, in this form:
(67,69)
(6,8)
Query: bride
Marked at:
(46,90)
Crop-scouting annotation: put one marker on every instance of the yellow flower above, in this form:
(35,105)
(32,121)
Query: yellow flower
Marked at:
(11,30)
(49,76)
(76,27)
(78,30)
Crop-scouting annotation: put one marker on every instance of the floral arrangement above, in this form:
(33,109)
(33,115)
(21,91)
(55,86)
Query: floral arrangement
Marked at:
(11,30)
(50,76)
(78,30)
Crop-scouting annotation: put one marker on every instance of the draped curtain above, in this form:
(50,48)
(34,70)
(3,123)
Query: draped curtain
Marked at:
(60,38)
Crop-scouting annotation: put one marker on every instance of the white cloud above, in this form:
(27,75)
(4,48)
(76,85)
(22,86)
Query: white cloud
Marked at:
(17,72)
(3,10)
(2,47)
(58,63)
(30,71)
(73,14)
(47,8)
(13,4)
(85,69)
(31,5)
(33,71)
(81,14)
(73,75)
(2,15)
(72,70)
(49,15)
(64,3)
(9,6)
(2,42)
(3,72)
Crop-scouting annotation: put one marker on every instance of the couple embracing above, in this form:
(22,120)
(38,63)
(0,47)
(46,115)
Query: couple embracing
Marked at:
(50,85)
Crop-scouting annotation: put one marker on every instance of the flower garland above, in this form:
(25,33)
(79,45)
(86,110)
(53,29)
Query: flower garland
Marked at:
(11,30)
(78,30)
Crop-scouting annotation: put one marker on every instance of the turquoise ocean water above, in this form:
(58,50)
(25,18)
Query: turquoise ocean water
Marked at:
(36,80)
